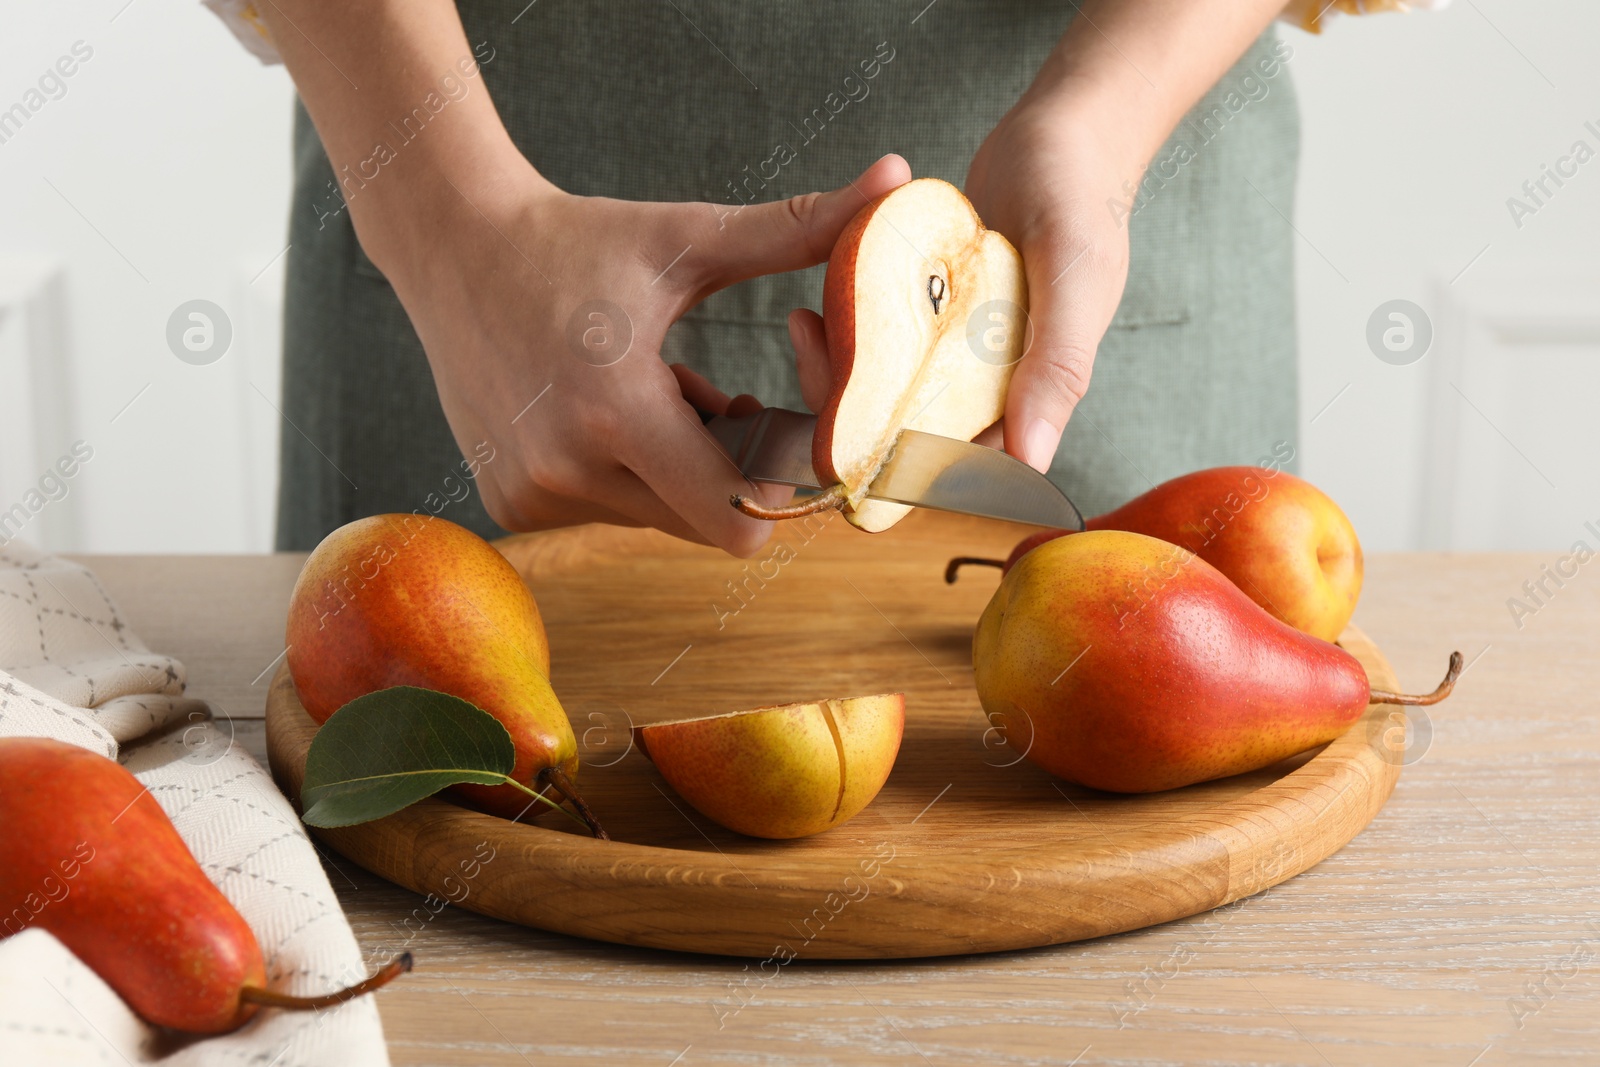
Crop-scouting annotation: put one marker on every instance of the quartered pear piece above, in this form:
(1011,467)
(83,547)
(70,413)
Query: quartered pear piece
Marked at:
(786,771)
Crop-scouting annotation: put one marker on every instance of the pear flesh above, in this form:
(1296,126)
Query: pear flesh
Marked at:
(925,311)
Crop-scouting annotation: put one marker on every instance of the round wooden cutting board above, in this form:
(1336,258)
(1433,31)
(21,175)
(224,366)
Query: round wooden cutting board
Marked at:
(968,848)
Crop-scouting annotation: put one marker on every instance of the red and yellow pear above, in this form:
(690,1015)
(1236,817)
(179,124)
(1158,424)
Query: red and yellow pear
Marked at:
(781,772)
(396,600)
(89,855)
(1281,540)
(1125,663)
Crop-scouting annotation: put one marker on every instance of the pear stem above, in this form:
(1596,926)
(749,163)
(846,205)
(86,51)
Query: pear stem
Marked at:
(1383,696)
(829,499)
(541,798)
(268,999)
(557,777)
(958,562)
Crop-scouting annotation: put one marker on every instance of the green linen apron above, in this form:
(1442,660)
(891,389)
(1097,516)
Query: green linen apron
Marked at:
(690,101)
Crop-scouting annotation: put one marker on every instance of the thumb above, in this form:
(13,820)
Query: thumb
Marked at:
(786,235)
(1068,320)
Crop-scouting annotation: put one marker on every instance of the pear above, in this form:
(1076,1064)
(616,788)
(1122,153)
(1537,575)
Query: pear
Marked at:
(1282,540)
(781,772)
(89,855)
(1125,663)
(926,316)
(415,600)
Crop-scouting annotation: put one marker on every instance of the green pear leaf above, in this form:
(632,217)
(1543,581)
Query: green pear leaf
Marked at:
(387,750)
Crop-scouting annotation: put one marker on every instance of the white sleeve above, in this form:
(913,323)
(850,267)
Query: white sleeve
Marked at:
(242,18)
(1310,14)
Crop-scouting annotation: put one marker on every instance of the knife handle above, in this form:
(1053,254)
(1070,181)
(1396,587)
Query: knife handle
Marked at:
(770,445)
(731,434)
(736,436)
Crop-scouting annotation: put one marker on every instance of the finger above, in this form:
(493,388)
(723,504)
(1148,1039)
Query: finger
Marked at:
(993,437)
(624,493)
(699,391)
(563,486)
(811,357)
(788,234)
(1072,294)
(675,456)
(528,507)
(615,496)
(705,397)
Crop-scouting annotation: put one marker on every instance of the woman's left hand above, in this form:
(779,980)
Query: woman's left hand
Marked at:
(1051,182)
(1057,176)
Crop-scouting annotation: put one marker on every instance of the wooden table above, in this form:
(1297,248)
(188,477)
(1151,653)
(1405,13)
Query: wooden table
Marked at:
(1462,928)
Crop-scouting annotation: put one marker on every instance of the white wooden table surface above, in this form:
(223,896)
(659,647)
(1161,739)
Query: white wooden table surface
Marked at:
(1462,928)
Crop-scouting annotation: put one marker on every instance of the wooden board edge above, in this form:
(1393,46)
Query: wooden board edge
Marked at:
(1248,849)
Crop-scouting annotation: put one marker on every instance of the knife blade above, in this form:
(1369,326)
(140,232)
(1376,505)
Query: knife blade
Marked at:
(924,470)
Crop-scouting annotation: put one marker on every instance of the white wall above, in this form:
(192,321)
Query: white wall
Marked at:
(1416,131)
(172,143)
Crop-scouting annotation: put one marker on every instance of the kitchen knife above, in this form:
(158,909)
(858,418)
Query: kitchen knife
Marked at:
(924,470)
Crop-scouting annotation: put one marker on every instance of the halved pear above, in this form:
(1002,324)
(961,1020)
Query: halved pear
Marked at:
(781,772)
(926,314)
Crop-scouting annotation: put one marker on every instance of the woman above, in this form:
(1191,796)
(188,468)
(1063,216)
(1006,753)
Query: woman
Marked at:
(480,184)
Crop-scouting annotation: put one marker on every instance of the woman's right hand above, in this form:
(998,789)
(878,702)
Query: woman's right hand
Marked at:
(543,314)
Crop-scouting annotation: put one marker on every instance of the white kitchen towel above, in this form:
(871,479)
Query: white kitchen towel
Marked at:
(71,669)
